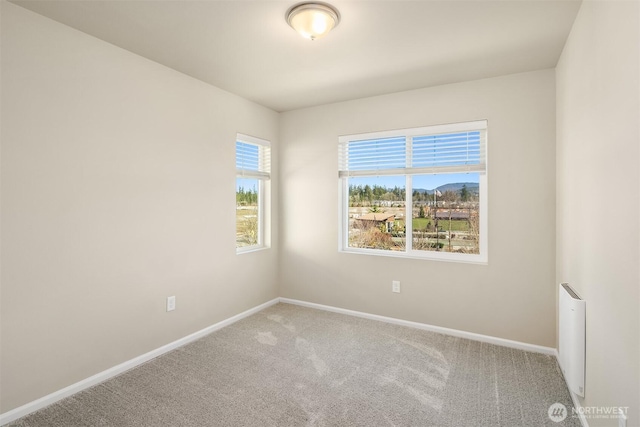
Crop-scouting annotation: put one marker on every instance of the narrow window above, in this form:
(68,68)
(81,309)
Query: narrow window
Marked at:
(253,171)
(416,192)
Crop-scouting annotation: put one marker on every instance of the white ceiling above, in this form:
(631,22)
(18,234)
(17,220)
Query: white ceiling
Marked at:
(247,48)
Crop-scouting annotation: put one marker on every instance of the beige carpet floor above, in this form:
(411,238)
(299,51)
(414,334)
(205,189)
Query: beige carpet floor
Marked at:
(294,366)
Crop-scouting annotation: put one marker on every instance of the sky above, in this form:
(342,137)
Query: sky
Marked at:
(247,183)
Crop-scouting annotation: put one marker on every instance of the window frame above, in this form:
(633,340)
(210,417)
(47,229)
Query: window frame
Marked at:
(409,252)
(263,176)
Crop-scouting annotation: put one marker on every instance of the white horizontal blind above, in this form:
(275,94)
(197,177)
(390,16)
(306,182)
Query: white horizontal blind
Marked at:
(374,154)
(436,149)
(253,157)
(449,152)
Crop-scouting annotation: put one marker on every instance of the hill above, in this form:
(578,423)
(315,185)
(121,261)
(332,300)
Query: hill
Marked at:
(473,187)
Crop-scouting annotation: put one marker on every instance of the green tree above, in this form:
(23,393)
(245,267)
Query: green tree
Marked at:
(421,213)
(464,193)
(368,193)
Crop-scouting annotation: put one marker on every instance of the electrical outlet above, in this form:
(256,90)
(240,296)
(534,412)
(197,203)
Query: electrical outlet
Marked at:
(395,286)
(171,303)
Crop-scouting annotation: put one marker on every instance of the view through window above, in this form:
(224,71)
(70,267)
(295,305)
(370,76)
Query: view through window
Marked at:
(417,192)
(252,173)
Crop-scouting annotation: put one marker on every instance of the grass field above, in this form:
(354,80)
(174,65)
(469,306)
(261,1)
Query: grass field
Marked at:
(246,226)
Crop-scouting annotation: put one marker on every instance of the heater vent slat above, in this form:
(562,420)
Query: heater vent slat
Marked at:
(570,291)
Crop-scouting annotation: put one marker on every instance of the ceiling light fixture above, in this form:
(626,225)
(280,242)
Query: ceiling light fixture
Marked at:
(313,20)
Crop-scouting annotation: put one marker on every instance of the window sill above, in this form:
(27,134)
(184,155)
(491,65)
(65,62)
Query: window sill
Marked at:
(250,249)
(432,256)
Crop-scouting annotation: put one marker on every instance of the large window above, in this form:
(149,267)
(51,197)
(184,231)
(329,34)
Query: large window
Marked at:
(416,192)
(253,171)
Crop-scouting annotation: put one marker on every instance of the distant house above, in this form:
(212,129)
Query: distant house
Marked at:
(374,219)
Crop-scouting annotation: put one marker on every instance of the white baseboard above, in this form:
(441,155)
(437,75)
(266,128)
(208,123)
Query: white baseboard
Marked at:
(49,399)
(438,329)
(574,399)
(578,406)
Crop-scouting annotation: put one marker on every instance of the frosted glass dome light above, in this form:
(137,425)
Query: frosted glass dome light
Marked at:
(313,20)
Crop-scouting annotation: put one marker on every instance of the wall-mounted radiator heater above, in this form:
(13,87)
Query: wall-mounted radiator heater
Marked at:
(572,338)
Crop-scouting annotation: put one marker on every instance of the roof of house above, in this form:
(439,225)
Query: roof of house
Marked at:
(378,216)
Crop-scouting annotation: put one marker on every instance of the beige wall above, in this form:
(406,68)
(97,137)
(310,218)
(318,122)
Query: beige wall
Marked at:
(598,115)
(115,176)
(512,297)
